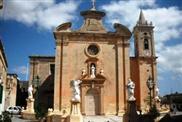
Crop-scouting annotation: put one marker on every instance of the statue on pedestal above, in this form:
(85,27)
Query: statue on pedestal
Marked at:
(157,94)
(131,87)
(76,90)
(29,112)
(75,114)
(30,92)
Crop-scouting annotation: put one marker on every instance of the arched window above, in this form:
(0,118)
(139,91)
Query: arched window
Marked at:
(146,44)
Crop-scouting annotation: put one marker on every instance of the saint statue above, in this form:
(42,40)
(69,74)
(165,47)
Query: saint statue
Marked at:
(157,94)
(76,90)
(30,92)
(131,87)
(92,71)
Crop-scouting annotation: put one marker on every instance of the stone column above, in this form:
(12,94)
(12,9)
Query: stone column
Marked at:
(120,78)
(83,93)
(57,77)
(102,99)
(127,67)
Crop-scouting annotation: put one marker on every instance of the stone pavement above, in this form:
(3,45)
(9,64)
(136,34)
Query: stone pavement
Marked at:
(102,119)
(16,118)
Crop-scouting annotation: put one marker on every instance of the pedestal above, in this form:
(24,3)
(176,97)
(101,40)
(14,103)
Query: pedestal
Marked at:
(75,115)
(131,113)
(29,112)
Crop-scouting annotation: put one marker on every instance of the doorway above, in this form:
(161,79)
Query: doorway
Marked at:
(92,102)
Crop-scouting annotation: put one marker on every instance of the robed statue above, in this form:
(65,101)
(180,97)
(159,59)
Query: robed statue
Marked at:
(75,90)
(131,88)
(30,92)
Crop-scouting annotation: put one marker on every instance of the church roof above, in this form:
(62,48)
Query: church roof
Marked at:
(141,18)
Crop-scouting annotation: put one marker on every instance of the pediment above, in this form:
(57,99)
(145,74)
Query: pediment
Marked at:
(99,79)
(121,29)
(64,27)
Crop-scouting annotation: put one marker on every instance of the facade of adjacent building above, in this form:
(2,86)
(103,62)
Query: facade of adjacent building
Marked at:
(11,90)
(101,60)
(42,78)
(3,76)
(22,93)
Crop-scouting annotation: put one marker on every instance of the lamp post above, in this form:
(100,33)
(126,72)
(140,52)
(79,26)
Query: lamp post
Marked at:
(150,85)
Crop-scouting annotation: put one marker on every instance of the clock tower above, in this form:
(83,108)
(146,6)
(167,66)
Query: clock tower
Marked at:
(144,38)
(143,64)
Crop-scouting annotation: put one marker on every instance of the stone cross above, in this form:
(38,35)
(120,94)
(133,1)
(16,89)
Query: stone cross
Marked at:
(93,5)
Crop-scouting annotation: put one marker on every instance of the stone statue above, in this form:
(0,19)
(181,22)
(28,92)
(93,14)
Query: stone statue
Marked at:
(157,94)
(131,87)
(76,90)
(92,71)
(30,92)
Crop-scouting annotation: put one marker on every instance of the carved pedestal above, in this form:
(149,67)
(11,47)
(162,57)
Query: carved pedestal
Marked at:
(131,113)
(75,115)
(29,112)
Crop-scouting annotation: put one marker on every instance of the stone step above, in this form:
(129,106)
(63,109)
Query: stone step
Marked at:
(102,119)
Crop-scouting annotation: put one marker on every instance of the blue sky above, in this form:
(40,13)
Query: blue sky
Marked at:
(26,28)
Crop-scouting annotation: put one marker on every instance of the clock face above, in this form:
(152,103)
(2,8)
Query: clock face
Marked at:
(93,49)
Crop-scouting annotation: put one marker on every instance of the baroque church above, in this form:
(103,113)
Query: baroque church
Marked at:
(101,60)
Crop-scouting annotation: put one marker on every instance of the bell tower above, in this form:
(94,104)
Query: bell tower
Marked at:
(143,64)
(144,38)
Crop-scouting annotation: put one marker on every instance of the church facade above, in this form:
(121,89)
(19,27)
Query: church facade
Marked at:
(101,60)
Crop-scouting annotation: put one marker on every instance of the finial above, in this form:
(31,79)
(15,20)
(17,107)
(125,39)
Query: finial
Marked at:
(93,5)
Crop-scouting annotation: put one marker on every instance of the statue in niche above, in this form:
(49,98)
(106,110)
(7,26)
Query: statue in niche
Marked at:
(76,90)
(131,87)
(92,71)
(30,92)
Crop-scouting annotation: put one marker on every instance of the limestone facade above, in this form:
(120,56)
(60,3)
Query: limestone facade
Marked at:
(103,88)
(3,75)
(92,45)
(43,68)
(11,90)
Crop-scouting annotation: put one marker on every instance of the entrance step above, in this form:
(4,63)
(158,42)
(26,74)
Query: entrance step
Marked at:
(102,119)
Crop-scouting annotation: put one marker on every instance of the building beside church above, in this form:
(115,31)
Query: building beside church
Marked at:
(3,76)
(101,60)
(11,90)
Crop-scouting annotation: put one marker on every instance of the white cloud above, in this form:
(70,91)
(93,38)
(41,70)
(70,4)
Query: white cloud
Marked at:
(42,13)
(20,70)
(166,20)
(168,27)
(170,59)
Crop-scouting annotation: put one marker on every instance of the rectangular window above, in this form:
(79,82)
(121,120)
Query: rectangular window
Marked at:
(52,67)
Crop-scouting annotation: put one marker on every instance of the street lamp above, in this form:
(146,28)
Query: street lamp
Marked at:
(150,85)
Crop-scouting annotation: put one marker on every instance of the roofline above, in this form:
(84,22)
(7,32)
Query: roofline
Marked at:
(41,56)
(14,74)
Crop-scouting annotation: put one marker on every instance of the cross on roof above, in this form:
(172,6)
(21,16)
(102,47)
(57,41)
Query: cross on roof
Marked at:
(93,5)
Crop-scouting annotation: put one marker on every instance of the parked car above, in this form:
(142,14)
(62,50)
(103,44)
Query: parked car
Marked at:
(13,110)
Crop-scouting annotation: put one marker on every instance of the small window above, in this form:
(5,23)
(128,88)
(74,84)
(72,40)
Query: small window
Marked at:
(146,44)
(52,68)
